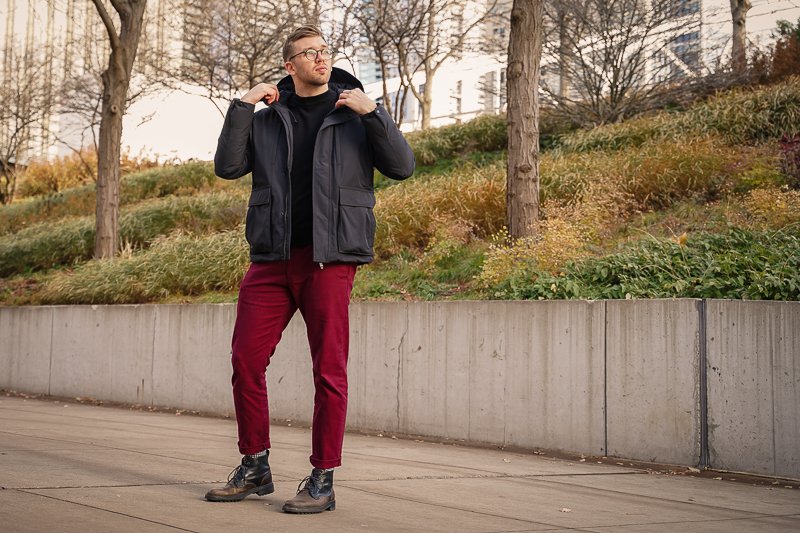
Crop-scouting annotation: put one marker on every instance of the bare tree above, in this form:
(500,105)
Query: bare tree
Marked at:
(612,57)
(231,45)
(380,23)
(447,29)
(80,90)
(24,104)
(524,56)
(739,9)
(116,81)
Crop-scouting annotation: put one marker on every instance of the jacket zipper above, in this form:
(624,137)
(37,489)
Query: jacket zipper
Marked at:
(288,206)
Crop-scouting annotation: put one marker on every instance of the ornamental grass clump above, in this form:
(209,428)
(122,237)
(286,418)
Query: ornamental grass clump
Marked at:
(486,133)
(46,245)
(186,179)
(741,116)
(773,207)
(181,264)
(409,213)
(658,174)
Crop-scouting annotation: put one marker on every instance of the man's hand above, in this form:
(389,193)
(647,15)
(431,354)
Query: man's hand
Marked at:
(356,100)
(263,91)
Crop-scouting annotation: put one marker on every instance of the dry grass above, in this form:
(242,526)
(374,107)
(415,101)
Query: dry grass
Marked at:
(740,116)
(180,264)
(183,180)
(46,245)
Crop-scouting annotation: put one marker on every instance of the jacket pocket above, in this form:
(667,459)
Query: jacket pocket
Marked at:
(356,230)
(258,229)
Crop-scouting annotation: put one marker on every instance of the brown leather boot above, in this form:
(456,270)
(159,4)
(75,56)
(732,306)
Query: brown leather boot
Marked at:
(316,496)
(253,476)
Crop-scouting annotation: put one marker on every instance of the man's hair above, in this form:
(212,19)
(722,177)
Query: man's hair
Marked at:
(300,33)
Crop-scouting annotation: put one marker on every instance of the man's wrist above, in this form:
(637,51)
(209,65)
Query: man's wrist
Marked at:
(371,113)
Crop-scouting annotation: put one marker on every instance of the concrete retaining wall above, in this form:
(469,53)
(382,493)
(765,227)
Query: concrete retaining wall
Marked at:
(622,378)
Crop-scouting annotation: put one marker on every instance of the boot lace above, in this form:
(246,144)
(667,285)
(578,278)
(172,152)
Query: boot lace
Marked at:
(236,477)
(304,484)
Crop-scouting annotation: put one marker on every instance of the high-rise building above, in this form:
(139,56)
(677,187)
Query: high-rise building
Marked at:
(470,80)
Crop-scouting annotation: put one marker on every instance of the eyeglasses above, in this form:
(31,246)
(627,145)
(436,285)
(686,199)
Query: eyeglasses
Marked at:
(311,54)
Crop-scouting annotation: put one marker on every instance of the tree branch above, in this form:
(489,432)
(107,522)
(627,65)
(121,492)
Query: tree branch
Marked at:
(109,24)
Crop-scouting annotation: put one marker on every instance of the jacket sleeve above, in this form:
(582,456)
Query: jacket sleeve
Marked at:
(393,155)
(234,147)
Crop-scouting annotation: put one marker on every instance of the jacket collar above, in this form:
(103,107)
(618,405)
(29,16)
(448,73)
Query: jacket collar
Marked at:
(340,80)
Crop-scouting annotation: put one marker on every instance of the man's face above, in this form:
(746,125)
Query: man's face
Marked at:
(312,73)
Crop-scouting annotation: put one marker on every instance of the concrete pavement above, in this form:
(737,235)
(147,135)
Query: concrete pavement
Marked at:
(71,467)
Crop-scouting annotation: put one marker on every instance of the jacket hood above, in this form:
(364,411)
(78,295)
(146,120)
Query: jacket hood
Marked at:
(340,80)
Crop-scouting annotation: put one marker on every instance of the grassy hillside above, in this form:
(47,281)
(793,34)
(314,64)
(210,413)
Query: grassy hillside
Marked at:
(697,203)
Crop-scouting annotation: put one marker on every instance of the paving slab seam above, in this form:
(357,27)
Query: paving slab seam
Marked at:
(105,446)
(532,530)
(677,522)
(343,476)
(113,422)
(642,496)
(106,510)
(487,474)
(493,472)
(455,508)
(116,449)
(126,486)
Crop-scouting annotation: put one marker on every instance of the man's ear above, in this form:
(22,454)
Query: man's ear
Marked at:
(289,66)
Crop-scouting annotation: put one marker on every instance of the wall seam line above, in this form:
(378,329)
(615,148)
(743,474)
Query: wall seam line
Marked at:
(772,350)
(50,365)
(704,461)
(153,357)
(605,377)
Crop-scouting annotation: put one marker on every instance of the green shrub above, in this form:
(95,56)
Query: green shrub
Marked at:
(738,264)
(46,245)
(177,265)
(486,133)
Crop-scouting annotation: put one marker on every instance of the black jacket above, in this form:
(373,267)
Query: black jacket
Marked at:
(346,150)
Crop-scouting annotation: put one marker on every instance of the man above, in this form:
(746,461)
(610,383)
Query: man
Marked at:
(309,224)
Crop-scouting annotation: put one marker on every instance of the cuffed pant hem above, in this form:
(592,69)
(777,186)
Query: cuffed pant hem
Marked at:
(252,450)
(330,463)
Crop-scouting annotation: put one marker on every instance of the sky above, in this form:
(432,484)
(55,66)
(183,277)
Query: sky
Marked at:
(179,126)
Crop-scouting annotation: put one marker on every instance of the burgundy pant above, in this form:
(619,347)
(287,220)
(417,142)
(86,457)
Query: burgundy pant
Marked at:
(269,295)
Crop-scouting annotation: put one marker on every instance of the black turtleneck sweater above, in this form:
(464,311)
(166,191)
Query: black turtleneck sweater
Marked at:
(308,114)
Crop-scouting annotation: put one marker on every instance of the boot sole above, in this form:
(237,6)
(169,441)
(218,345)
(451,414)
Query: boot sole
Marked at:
(263,490)
(330,506)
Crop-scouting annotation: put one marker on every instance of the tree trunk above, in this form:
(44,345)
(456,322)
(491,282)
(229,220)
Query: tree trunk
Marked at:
(387,102)
(116,80)
(563,52)
(739,9)
(427,91)
(427,99)
(107,206)
(524,56)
